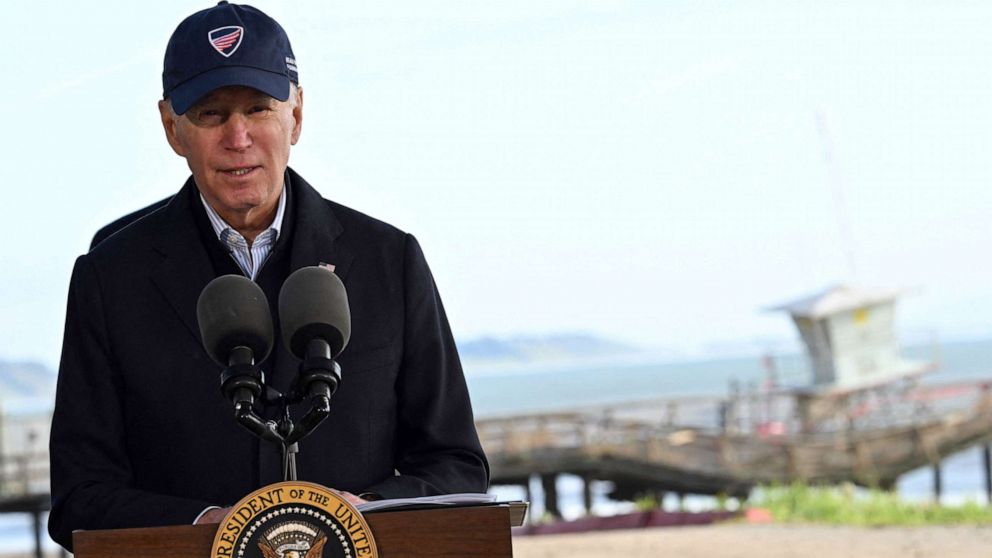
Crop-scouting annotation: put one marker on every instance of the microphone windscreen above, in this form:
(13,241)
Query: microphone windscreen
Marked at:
(313,304)
(233,312)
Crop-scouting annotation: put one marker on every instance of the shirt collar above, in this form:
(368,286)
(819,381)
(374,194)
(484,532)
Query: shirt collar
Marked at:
(220,225)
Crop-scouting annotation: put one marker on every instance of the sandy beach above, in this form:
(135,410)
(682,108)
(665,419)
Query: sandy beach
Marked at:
(765,541)
(741,540)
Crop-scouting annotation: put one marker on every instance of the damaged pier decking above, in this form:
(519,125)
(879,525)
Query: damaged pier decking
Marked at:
(727,446)
(861,415)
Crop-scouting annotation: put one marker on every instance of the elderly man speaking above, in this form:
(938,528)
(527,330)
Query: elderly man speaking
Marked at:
(142,435)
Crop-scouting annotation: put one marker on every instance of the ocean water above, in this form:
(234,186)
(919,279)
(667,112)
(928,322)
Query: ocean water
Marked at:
(541,389)
(530,389)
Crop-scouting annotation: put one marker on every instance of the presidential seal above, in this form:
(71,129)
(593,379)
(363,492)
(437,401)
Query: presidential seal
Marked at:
(293,520)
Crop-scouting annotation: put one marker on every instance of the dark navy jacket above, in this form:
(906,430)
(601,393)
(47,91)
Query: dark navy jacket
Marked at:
(141,435)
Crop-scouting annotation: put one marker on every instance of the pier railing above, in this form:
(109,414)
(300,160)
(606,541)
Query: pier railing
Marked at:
(780,412)
(23,474)
(24,462)
(762,437)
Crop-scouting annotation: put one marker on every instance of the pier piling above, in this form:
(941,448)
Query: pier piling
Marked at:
(937,482)
(987,471)
(548,482)
(587,493)
(528,493)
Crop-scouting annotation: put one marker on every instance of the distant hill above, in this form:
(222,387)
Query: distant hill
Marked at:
(556,347)
(25,380)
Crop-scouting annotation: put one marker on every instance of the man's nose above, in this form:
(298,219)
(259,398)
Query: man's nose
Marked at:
(237,133)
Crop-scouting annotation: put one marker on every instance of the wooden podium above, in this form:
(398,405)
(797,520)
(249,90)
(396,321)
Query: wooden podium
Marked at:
(455,531)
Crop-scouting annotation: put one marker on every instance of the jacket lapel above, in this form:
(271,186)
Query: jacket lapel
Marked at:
(315,231)
(185,268)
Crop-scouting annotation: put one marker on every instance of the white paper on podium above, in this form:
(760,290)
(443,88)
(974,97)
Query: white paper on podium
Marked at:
(441,500)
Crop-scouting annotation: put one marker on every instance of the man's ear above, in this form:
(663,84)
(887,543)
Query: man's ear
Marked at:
(170,122)
(297,116)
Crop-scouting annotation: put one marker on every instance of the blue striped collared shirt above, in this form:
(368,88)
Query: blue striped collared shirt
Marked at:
(249,259)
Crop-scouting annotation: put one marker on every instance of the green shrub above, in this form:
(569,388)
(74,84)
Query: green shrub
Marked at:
(848,505)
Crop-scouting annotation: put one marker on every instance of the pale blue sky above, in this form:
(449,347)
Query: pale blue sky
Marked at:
(648,171)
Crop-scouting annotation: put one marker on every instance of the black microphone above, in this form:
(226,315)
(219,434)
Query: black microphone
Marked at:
(313,304)
(236,328)
(316,326)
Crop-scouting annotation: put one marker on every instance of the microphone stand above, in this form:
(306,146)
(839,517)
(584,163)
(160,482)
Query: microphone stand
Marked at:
(289,449)
(317,381)
(242,382)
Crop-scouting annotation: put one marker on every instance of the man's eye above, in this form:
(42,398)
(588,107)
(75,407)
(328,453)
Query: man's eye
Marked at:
(259,110)
(207,117)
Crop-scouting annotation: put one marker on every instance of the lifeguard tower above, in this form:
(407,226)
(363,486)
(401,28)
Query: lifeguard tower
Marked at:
(849,334)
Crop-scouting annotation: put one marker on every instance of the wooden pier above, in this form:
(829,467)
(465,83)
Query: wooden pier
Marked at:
(729,445)
(24,471)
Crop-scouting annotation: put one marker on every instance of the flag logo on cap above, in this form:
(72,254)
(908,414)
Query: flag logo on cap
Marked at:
(226,40)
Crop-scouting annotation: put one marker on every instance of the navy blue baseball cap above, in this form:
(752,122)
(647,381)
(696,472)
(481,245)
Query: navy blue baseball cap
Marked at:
(228,44)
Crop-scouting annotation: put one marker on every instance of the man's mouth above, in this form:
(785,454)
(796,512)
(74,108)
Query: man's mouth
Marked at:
(240,171)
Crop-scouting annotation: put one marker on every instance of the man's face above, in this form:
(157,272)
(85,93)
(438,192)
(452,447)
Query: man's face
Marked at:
(236,141)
